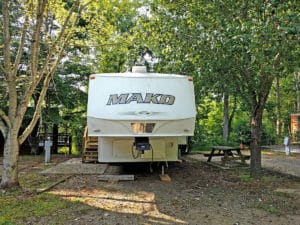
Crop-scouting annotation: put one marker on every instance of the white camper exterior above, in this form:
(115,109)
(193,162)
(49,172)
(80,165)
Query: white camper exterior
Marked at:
(124,108)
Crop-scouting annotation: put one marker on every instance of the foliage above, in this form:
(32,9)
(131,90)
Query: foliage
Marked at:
(35,37)
(108,29)
(235,47)
(75,148)
(101,45)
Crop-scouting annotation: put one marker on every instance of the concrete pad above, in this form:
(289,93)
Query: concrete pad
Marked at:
(75,166)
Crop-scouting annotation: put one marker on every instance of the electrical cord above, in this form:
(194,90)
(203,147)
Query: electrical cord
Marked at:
(135,156)
(132,152)
(151,169)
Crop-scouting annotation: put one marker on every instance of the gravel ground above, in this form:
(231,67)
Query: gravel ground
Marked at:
(270,160)
(197,194)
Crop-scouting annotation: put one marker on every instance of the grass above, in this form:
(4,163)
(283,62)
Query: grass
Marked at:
(270,209)
(22,205)
(16,208)
(271,202)
(33,182)
(244,176)
(25,205)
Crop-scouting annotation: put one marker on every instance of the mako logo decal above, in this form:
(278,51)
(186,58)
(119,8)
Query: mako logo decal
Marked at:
(115,99)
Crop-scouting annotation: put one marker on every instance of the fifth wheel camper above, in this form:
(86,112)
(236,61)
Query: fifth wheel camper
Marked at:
(140,116)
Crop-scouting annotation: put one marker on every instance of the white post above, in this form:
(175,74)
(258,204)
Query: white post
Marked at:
(48,145)
(286,146)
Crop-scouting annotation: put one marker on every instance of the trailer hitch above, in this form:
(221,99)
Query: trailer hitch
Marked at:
(142,144)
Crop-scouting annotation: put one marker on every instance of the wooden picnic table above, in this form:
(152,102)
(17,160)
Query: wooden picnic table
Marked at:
(228,152)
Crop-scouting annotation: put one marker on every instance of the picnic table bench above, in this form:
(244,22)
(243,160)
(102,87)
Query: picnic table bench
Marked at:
(228,152)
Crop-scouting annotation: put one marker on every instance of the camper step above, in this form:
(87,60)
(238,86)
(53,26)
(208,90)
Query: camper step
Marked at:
(91,150)
(90,155)
(86,159)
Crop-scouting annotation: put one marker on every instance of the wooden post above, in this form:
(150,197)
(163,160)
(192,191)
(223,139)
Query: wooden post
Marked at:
(70,144)
(55,139)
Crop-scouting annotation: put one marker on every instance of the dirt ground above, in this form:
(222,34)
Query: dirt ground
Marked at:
(197,194)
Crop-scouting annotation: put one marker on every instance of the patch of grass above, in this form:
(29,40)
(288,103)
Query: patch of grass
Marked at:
(270,209)
(268,179)
(215,190)
(11,192)
(244,176)
(34,181)
(21,205)
(19,208)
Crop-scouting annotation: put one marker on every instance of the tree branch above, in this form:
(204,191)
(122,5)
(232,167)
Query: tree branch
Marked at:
(4,123)
(36,78)
(53,47)
(37,111)
(48,74)
(41,98)
(21,46)
(11,81)
(5,118)
(6,38)
(3,128)
(36,36)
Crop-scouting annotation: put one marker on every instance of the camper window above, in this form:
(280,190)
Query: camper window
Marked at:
(139,128)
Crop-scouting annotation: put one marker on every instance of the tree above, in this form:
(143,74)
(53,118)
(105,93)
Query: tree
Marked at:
(179,35)
(263,46)
(31,52)
(114,47)
(233,47)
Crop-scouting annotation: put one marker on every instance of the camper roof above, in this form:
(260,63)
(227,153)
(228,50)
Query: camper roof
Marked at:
(137,75)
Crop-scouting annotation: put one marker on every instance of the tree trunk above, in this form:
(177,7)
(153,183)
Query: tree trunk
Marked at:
(296,82)
(10,160)
(226,118)
(33,139)
(11,121)
(278,108)
(256,132)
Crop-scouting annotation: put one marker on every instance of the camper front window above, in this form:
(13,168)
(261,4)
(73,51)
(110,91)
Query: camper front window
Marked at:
(139,128)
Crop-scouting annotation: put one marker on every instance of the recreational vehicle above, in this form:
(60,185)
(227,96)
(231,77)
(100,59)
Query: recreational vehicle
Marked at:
(138,116)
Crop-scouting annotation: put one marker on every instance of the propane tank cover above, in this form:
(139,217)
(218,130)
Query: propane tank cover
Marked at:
(139,69)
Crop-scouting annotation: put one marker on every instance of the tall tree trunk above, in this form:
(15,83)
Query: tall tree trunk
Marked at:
(226,117)
(10,160)
(256,133)
(231,115)
(278,109)
(297,87)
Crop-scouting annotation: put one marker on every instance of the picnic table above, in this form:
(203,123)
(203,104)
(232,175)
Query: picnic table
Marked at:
(228,152)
